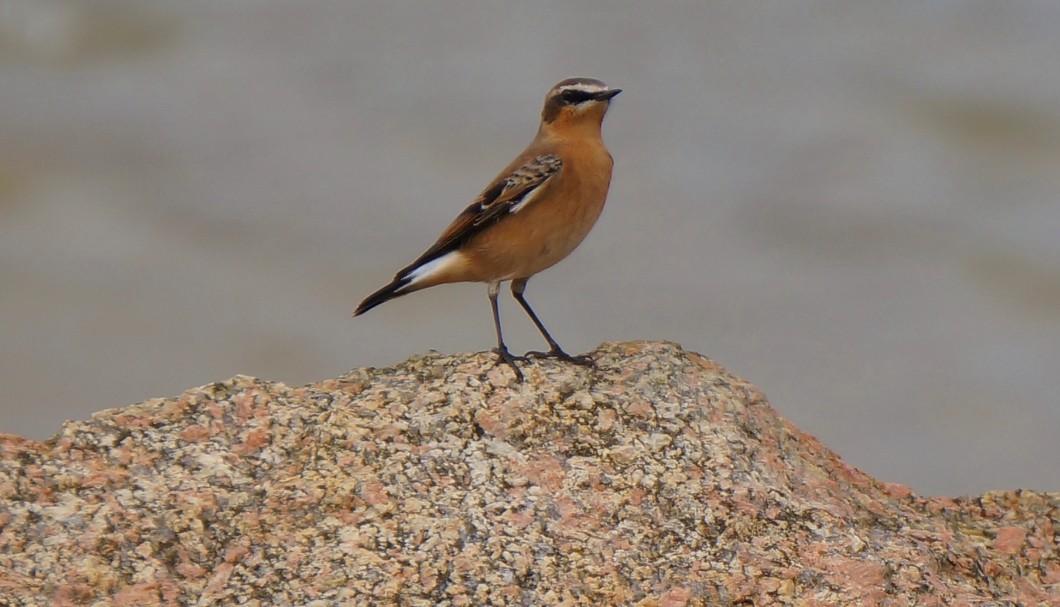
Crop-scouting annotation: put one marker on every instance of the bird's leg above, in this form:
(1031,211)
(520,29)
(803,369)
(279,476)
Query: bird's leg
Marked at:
(501,349)
(518,286)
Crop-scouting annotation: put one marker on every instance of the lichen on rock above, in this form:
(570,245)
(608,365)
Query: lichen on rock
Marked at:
(656,478)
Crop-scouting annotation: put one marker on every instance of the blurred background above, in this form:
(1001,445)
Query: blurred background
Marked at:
(854,206)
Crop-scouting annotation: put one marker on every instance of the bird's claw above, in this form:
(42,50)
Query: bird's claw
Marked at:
(559,354)
(504,356)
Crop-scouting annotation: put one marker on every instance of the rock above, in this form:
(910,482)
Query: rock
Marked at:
(657,479)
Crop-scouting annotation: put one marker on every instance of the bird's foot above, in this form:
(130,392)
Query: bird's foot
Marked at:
(504,356)
(559,354)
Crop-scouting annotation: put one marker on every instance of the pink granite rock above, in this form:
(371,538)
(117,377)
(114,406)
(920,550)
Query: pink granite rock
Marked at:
(656,479)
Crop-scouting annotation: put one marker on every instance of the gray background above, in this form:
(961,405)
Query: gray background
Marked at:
(855,206)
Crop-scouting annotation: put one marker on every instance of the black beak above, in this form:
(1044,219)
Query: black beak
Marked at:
(605,95)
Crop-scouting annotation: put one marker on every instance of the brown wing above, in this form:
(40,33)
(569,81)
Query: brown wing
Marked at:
(517,190)
(507,195)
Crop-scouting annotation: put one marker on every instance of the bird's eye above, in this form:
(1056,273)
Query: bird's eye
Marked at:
(575,97)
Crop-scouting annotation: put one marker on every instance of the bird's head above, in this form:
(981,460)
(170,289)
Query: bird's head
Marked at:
(576,101)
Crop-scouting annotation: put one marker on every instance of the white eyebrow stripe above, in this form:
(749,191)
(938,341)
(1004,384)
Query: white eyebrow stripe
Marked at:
(586,87)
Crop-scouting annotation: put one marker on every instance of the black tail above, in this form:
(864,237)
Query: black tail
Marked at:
(392,290)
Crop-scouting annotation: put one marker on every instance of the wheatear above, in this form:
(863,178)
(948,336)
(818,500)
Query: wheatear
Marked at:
(530,217)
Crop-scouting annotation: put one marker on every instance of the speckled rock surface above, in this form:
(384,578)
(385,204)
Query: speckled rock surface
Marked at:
(657,479)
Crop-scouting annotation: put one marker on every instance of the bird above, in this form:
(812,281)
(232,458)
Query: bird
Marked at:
(530,217)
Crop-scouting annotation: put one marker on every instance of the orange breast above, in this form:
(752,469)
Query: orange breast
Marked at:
(547,230)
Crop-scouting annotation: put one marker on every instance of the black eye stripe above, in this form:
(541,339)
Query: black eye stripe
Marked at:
(575,96)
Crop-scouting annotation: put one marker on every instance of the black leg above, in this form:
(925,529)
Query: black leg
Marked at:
(501,349)
(518,287)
